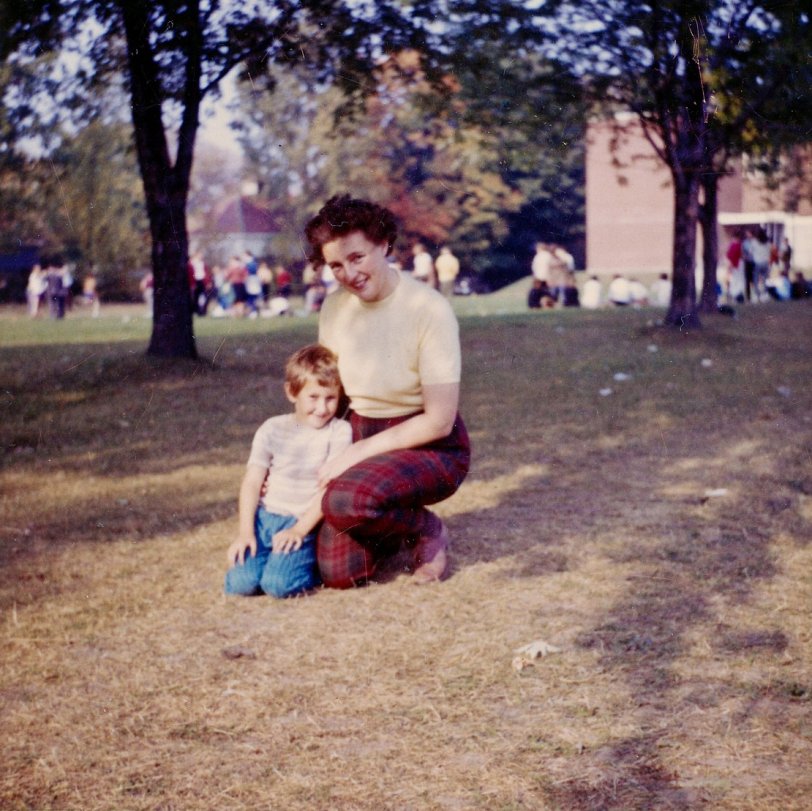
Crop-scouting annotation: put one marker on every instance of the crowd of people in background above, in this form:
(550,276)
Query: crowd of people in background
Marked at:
(245,287)
(248,287)
(757,269)
(754,269)
(625,291)
(50,284)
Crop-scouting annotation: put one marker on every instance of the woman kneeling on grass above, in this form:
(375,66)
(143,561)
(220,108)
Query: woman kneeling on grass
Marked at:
(398,349)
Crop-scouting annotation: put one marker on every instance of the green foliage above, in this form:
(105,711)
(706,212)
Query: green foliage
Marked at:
(82,197)
(460,160)
(96,204)
(535,109)
(172,54)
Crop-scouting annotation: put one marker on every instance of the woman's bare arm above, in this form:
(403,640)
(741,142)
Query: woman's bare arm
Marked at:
(440,404)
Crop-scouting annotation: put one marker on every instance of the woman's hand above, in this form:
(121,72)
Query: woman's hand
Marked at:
(288,540)
(434,422)
(334,467)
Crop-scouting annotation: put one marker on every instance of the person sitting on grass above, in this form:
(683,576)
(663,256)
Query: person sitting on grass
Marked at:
(278,518)
(398,347)
(800,288)
(540,296)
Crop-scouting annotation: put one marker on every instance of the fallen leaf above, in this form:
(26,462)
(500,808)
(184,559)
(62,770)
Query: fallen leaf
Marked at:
(718,492)
(238,652)
(538,648)
(527,654)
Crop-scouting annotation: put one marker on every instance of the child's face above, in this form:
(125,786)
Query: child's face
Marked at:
(315,405)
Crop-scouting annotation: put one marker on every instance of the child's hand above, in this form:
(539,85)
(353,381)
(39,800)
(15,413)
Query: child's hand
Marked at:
(236,552)
(287,540)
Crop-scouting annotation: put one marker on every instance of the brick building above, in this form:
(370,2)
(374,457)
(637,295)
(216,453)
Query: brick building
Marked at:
(630,205)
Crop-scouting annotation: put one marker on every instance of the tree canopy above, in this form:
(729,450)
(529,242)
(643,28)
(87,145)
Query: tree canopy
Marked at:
(174,53)
(466,116)
(485,155)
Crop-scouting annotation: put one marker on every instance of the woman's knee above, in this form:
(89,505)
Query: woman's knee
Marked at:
(340,580)
(345,505)
(348,573)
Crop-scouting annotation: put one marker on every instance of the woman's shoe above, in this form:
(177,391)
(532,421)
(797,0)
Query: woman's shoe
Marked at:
(430,557)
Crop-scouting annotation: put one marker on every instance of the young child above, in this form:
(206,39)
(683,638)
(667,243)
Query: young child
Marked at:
(275,548)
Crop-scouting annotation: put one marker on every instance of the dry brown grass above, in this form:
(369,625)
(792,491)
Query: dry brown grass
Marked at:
(685,674)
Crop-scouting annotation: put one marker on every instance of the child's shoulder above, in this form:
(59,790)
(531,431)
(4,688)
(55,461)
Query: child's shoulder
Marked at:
(280,419)
(280,423)
(340,428)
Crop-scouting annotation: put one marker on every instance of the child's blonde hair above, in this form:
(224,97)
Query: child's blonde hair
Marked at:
(312,362)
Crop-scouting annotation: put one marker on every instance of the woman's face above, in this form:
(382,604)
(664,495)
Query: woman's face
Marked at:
(360,266)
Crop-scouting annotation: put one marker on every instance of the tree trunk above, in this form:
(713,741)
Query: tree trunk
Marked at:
(166,186)
(709,302)
(682,311)
(172,323)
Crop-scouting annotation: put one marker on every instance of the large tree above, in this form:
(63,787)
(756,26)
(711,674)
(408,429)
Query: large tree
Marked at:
(671,62)
(173,54)
(760,107)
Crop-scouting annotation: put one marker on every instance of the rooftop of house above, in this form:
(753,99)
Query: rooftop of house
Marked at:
(248,215)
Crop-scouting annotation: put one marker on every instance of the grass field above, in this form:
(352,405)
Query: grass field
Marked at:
(640,499)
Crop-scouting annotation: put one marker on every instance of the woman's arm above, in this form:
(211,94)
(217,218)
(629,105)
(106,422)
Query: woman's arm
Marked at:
(440,403)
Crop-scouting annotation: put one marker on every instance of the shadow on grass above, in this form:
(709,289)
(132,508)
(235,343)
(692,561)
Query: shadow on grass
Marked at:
(116,412)
(627,478)
(689,552)
(634,779)
(556,465)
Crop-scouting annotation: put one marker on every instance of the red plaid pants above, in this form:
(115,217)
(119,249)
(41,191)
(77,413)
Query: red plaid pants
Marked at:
(370,509)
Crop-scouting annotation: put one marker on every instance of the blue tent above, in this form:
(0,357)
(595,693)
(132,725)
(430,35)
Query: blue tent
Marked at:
(14,270)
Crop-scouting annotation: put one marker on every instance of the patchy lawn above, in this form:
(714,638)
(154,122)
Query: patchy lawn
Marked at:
(640,499)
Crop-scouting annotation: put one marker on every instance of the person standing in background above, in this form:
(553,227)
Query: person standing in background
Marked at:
(786,255)
(35,290)
(200,281)
(542,260)
(56,288)
(90,293)
(760,253)
(448,268)
(423,265)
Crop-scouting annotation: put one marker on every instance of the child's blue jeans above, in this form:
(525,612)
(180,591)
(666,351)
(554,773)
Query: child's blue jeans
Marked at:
(281,574)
